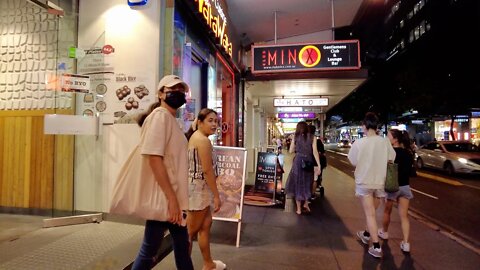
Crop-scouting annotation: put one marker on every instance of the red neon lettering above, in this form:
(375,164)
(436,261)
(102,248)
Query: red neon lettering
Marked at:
(292,57)
(272,58)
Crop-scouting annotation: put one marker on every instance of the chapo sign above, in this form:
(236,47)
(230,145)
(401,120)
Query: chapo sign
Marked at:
(305,102)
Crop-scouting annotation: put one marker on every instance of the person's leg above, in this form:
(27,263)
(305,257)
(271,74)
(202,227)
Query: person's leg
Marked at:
(299,206)
(204,241)
(181,246)
(152,239)
(194,223)
(387,211)
(369,210)
(403,204)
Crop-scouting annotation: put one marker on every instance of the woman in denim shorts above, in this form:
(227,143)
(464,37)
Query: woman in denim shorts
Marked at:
(370,156)
(404,158)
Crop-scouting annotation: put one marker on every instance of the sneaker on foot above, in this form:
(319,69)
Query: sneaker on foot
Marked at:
(375,252)
(404,246)
(219,265)
(382,234)
(363,238)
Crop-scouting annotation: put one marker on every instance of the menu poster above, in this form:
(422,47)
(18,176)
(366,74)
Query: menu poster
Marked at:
(231,167)
(120,97)
(265,172)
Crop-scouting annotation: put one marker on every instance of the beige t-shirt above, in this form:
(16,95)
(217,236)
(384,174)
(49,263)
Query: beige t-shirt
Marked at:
(161,135)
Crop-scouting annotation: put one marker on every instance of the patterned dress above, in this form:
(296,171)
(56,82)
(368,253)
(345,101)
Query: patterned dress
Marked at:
(200,195)
(299,182)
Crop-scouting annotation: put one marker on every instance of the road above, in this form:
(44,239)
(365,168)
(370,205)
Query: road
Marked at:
(449,202)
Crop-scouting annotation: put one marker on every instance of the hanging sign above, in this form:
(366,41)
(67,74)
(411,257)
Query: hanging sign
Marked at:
(305,102)
(75,83)
(332,55)
(296,115)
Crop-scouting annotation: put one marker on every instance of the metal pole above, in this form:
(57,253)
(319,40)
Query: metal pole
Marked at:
(333,20)
(275,27)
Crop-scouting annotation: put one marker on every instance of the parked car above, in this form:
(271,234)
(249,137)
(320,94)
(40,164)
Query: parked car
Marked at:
(344,144)
(450,156)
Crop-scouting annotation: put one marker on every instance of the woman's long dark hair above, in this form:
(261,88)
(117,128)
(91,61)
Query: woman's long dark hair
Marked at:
(143,116)
(302,130)
(402,138)
(202,115)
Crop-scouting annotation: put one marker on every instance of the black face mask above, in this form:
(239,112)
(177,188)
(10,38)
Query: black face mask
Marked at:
(175,99)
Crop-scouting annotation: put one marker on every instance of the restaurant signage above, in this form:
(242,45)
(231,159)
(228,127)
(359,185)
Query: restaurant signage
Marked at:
(296,115)
(216,19)
(305,102)
(332,55)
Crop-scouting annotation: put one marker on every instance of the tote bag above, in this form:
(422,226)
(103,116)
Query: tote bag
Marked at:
(391,182)
(136,192)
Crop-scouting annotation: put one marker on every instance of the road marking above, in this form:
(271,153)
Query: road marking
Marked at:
(423,193)
(470,186)
(440,179)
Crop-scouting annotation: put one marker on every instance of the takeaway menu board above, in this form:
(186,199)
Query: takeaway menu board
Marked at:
(265,172)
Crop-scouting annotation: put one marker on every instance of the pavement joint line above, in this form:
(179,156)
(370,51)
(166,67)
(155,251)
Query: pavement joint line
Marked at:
(423,193)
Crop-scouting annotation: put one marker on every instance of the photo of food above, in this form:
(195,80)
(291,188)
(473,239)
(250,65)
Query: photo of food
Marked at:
(101,89)
(101,106)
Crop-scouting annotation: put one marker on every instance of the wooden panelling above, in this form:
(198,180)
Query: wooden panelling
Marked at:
(36,170)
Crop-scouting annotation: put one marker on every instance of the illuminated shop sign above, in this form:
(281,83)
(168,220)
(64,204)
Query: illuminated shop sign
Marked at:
(333,55)
(215,18)
(304,102)
(296,115)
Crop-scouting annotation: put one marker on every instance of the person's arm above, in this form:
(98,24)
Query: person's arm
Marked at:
(161,176)
(391,152)
(353,155)
(292,146)
(315,153)
(205,150)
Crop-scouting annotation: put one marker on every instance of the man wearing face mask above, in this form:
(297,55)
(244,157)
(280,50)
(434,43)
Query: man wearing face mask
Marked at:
(163,154)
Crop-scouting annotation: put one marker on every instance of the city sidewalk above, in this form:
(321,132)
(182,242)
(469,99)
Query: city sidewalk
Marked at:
(271,238)
(274,239)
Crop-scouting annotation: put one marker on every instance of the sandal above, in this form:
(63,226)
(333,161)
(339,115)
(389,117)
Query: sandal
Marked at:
(219,265)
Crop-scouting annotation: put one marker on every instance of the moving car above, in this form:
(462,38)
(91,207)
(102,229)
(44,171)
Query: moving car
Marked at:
(450,156)
(344,144)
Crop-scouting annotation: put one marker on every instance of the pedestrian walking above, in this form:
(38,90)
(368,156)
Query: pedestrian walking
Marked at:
(162,155)
(404,158)
(370,156)
(202,175)
(299,182)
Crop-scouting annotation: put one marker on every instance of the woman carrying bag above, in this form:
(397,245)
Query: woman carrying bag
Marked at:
(153,183)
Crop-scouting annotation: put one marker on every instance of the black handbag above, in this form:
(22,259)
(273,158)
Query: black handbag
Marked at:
(307,165)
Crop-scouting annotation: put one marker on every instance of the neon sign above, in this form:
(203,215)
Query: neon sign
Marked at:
(331,55)
(215,18)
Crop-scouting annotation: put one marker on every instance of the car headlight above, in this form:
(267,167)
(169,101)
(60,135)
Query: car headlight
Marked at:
(463,160)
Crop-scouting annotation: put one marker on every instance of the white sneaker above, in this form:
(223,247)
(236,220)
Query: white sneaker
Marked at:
(404,246)
(382,234)
(363,238)
(219,265)
(375,252)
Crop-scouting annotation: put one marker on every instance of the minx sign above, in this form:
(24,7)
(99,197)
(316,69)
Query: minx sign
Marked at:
(332,55)
(304,102)
(296,115)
